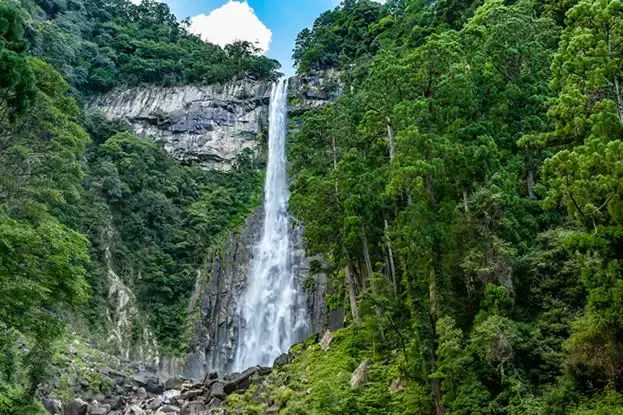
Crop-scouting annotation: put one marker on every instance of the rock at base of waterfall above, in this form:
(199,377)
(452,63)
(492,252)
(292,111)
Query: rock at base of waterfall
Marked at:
(174,383)
(76,407)
(282,360)
(360,375)
(217,390)
(53,406)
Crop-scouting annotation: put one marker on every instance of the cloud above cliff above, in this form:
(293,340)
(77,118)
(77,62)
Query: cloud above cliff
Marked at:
(231,22)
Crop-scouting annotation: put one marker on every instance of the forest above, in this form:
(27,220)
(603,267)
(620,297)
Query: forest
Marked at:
(79,193)
(464,196)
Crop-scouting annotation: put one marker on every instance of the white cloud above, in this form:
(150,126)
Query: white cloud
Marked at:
(231,22)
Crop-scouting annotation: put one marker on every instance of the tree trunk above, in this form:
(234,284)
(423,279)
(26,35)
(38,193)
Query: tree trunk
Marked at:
(531,183)
(352,295)
(390,253)
(432,364)
(465,199)
(617,83)
(366,255)
(390,134)
(334,145)
(617,87)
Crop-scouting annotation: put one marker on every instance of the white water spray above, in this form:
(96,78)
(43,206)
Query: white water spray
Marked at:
(273,306)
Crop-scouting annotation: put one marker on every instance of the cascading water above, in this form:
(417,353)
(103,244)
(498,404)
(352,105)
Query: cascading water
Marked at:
(273,306)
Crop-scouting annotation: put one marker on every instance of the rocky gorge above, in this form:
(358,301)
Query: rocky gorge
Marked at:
(211,125)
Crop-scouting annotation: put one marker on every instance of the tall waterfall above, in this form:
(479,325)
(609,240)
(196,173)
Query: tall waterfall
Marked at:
(273,306)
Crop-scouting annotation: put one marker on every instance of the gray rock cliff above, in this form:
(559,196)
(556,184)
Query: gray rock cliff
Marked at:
(209,125)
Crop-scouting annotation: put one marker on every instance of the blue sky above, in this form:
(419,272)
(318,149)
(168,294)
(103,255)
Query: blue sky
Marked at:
(282,17)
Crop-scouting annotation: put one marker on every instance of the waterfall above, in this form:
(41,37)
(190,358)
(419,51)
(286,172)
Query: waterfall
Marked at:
(272,307)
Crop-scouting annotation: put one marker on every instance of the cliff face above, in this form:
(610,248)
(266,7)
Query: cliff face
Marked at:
(211,125)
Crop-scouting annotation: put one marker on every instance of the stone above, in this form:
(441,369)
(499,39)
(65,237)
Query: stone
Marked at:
(191,394)
(281,360)
(100,397)
(218,391)
(115,402)
(76,407)
(397,385)
(169,409)
(53,406)
(241,381)
(326,340)
(141,393)
(134,410)
(154,404)
(99,411)
(214,402)
(193,408)
(174,383)
(212,374)
(144,377)
(169,394)
(360,375)
(272,410)
(155,388)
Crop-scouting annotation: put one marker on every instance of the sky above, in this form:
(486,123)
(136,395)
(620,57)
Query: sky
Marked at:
(271,24)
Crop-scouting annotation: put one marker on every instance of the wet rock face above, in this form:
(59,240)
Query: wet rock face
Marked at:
(218,291)
(220,288)
(209,125)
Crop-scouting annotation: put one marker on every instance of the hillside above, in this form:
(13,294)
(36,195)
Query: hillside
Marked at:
(455,210)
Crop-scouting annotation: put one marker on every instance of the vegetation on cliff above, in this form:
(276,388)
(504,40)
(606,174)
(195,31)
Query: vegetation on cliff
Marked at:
(465,196)
(82,199)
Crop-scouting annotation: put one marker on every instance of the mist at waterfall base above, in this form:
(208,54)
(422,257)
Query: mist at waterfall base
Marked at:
(273,306)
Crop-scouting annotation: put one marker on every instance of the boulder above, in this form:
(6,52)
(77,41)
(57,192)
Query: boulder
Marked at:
(134,410)
(281,360)
(144,377)
(214,402)
(218,391)
(167,396)
(53,406)
(154,404)
(141,393)
(100,397)
(193,408)
(191,394)
(169,409)
(154,387)
(76,407)
(212,374)
(397,385)
(115,402)
(360,375)
(174,383)
(241,381)
(326,340)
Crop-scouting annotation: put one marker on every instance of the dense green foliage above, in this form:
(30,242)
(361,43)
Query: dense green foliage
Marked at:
(465,194)
(82,199)
(99,44)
